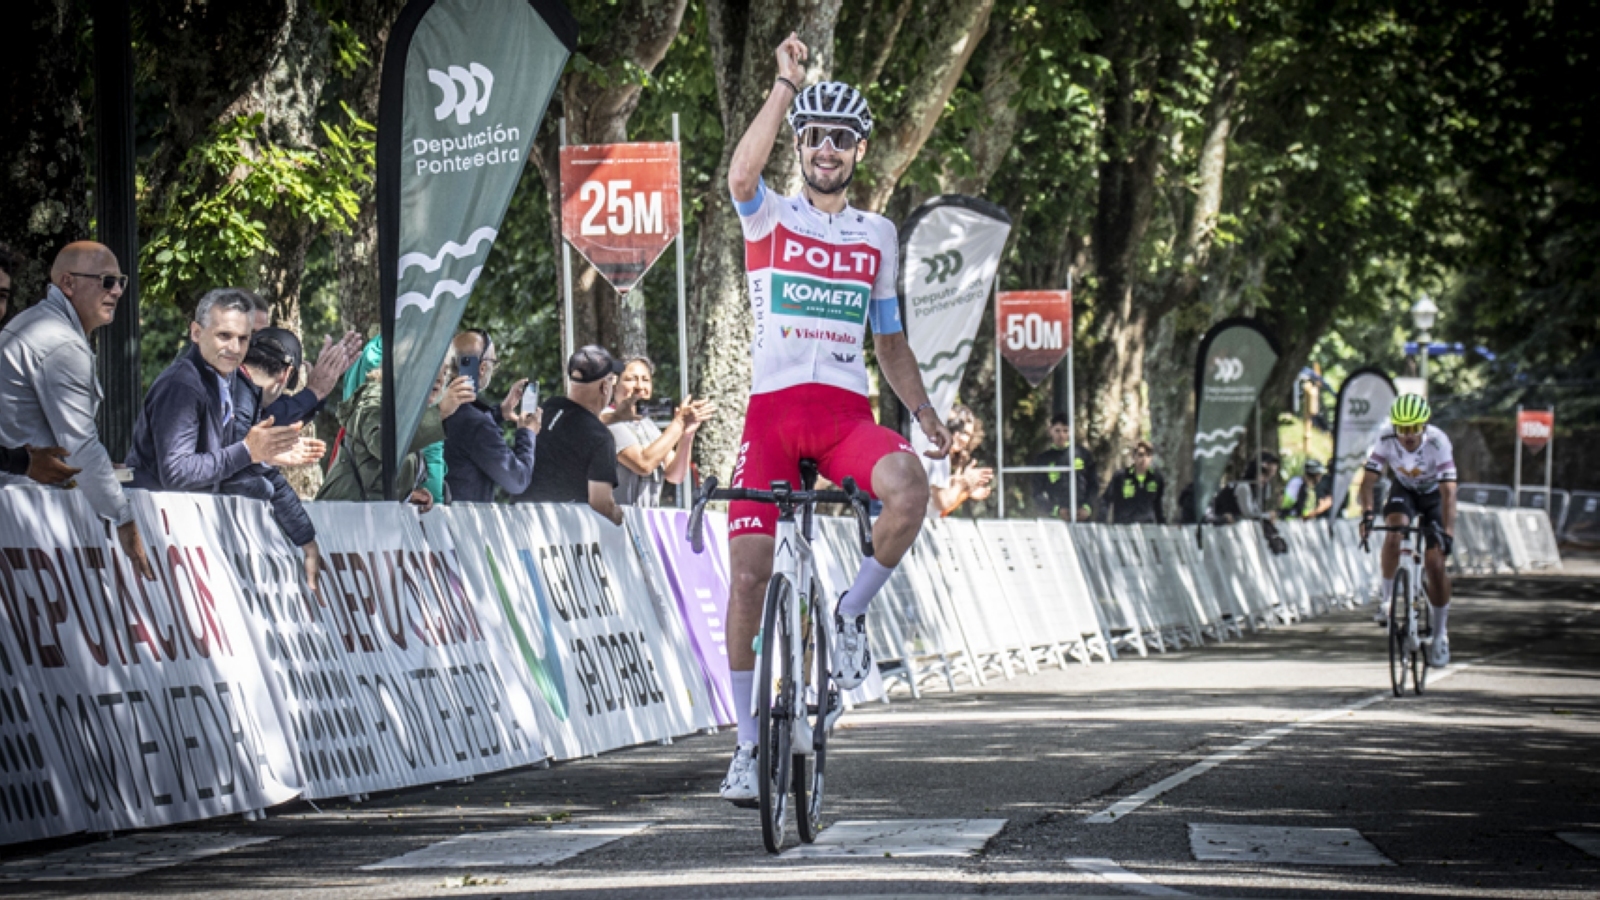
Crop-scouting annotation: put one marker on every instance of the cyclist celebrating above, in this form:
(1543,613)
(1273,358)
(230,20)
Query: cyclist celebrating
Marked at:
(1424,470)
(820,272)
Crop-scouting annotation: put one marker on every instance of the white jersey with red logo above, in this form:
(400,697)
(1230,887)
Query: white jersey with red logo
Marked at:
(1422,471)
(813,280)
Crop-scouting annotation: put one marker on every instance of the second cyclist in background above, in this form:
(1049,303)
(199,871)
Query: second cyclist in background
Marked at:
(1419,459)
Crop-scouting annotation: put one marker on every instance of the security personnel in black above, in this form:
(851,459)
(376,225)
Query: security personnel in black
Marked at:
(1134,495)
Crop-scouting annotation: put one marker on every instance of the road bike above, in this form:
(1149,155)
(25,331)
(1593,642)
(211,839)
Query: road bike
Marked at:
(793,693)
(1410,611)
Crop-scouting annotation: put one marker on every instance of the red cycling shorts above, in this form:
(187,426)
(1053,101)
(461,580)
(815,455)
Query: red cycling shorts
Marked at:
(808,421)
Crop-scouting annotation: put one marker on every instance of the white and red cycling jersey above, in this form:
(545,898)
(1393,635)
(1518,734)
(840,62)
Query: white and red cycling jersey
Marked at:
(815,280)
(1420,471)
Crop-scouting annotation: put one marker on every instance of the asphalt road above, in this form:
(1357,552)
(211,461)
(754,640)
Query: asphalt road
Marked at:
(1462,792)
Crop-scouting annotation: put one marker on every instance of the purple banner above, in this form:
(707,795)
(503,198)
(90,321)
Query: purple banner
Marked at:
(700,584)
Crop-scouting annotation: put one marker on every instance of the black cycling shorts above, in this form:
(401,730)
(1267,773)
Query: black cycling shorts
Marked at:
(1421,509)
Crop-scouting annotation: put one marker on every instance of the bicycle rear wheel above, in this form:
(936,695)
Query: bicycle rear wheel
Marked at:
(778,699)
(808,778)
(1419,659)
(1399,616)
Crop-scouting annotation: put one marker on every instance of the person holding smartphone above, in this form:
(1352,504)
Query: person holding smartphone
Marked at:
(647,456)
(476,456)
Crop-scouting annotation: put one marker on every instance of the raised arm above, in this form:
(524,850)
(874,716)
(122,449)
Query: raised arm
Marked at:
(750,157)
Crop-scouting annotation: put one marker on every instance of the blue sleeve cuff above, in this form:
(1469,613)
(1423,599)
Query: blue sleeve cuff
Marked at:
(885,316)
(747,208)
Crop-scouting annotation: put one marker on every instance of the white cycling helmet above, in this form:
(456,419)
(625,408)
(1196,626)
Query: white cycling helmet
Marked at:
(831,101)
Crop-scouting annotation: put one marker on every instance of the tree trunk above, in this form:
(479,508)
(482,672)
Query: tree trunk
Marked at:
(989,143)
(1185,314)
(1146,60)
(931,59)
(42,158)
(356,253)
(744,35)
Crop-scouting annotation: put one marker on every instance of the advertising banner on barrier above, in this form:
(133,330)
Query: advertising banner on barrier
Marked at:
(464,88)
(587,607)
(619,206)
(1034,329)
(401,685)
(699,585)
(131,703)
(1361,412)
(950,249)
(1236,357)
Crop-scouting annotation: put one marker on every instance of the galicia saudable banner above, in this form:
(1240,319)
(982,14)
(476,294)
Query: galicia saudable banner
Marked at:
(950,250)
(465,85)
(1236,357)
(1362,410)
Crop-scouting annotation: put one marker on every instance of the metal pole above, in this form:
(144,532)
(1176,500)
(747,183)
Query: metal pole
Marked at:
(569,339)
(1516,467)
(1549,466)
(999,409)
(1072,419)
(116,219)
(683,310)
(1422,365)
(1260,487)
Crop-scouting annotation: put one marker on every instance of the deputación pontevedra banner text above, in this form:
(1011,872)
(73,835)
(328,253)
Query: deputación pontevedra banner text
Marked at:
(1236,357)
(1363,410)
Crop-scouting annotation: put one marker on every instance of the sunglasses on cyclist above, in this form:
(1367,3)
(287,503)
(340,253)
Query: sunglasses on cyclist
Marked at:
(107,282)
(812,137)
(1408,430)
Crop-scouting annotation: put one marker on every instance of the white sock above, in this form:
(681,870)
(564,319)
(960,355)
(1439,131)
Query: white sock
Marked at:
(1383,595)
(749,725)
(1441,614)
(871,579)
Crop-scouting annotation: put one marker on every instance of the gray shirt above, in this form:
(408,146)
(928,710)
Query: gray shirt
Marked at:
(634,489)
(49,396)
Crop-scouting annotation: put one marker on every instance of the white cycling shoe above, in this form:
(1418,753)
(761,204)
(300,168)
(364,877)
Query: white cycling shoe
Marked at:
(1439,652)
(1381,616)
(740,787)
(852,659)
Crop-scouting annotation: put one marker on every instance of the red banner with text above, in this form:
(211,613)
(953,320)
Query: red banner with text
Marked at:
(1534,428)
(1034,329)
(619,206)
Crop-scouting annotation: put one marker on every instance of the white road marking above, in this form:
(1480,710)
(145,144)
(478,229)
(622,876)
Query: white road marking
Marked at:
(1282,844)
(124,857)
(1121,808)
(900,838)
(511,848)
(1587,841)
(1122,878)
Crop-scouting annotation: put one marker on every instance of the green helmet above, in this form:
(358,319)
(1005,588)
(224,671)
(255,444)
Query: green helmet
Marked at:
(1409,409)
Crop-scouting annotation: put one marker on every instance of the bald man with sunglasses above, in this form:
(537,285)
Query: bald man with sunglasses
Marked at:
(48,386)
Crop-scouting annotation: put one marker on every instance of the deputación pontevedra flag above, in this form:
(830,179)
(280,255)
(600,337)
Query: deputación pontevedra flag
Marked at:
(465,86)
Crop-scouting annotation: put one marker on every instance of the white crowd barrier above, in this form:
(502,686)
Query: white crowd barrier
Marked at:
(480,638)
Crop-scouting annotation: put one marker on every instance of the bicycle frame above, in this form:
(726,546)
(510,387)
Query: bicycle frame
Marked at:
(792,559)
(1413,556)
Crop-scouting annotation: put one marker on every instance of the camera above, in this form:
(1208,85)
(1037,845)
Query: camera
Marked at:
(657,409)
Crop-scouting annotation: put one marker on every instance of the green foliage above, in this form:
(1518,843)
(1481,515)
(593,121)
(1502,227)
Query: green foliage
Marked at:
(211,232)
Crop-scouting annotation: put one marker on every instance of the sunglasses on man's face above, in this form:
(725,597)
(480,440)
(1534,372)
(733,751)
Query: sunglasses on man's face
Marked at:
(107,281)
(1408,430)
(812,137)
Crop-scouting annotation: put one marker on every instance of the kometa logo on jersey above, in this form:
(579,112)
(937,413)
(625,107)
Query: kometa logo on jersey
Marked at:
(794,296)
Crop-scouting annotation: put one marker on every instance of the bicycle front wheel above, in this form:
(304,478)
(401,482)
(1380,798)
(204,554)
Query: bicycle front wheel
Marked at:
(778,698)
(1419,659)
(1399,617)
(808,779)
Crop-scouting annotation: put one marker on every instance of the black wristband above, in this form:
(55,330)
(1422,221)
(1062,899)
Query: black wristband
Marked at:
(792,86)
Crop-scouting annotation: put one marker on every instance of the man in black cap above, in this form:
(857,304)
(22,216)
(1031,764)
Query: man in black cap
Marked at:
(575,459)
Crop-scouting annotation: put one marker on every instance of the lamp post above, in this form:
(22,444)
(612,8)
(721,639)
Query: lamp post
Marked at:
(1423,314)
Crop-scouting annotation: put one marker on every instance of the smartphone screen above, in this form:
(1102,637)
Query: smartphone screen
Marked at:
(530,398)
(469,369)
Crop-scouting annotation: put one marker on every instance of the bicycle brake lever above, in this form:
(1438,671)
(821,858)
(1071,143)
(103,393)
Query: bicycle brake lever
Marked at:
(697,537)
